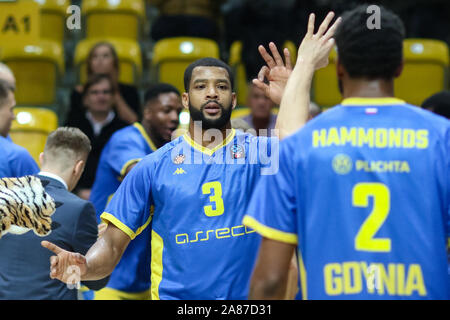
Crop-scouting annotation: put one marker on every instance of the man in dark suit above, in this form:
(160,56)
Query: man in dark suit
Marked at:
(24,272)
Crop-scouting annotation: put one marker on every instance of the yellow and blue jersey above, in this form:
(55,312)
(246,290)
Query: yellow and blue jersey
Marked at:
(363,190)
(126,147)
(16,161)
(194,199)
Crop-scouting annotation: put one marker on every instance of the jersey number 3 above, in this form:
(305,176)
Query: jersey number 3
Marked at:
(365,240)
(215,188)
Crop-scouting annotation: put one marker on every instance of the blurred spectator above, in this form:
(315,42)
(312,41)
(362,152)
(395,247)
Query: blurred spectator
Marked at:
(186,18)
(98,122)
(261,117)
(24,266)
(103,59)
(254,23)
(7,75)
(438,103)
(15,160)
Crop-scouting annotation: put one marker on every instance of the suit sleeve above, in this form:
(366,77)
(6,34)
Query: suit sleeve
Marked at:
(85,235)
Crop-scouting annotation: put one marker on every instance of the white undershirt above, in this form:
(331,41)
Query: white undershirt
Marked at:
(98,126)
(53,176)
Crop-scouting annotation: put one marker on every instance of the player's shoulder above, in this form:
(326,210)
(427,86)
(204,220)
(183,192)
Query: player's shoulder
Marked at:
(125,134)
(13,150)
(245,137)
(430,118)
(162,153)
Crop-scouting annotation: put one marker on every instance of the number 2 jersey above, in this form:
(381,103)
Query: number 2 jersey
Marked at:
(194,199)
(363,190)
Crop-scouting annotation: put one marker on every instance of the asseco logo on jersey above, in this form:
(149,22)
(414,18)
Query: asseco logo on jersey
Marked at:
(342,163)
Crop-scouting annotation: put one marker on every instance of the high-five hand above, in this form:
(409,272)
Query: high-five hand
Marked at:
(276,72)
(66,266)
(315,48)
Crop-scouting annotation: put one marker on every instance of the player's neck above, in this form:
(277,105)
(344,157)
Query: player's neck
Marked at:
(208,138)
(155,138)
(365,88)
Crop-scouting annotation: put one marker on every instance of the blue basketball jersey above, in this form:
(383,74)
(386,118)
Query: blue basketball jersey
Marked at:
(195,199)
(125,147)
(15,161)
(363,190)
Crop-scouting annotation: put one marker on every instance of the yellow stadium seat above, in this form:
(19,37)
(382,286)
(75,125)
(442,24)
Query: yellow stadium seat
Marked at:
(31,128)
(171,57)
(37,68)
(240,77)
(53,18)
(425,70)
(325,85)
(113,18)
(128,51)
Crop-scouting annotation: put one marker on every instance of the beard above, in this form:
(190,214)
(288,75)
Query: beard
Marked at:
(219,123)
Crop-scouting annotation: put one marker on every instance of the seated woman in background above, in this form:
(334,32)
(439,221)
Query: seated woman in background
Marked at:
(103,59)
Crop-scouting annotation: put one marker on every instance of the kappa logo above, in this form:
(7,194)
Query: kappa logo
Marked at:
(179,171)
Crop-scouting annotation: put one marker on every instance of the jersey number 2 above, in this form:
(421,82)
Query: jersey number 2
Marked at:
(365,240)
(215,188)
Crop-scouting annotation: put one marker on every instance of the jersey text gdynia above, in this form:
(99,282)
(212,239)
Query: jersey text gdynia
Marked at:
(354,277)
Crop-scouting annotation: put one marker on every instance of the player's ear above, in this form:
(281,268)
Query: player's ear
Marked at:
(234,100)
(79,167)
(41,158)
(185,100)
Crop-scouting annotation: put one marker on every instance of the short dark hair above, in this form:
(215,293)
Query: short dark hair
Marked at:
(94,79)
(67,141)
(155,90)
(439,103)
(206,62)
(370,53)
(5,88)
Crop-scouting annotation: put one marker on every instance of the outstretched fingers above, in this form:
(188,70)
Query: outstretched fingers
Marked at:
(332,30)
(266,56)
(287,58)
(276,54)
(325,23)
(52,247)
(310,30)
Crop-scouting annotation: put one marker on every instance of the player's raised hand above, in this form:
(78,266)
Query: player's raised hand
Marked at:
(276,72)
(315,47)
(66,266)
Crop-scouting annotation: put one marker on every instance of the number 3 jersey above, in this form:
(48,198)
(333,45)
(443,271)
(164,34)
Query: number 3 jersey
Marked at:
(363,191)
(194,200)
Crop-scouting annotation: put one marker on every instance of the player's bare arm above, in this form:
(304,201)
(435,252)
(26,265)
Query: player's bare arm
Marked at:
(270,275)
(98,262)
(312,55)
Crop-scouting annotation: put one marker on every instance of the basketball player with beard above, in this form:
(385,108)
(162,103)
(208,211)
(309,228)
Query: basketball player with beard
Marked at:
(193,192)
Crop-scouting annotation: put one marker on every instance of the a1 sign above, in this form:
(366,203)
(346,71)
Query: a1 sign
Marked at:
(19,21)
